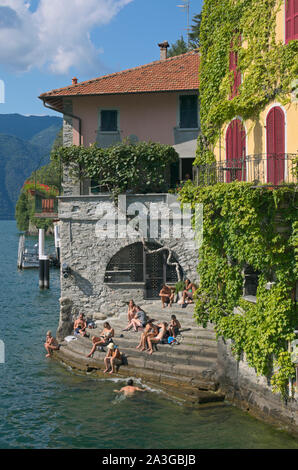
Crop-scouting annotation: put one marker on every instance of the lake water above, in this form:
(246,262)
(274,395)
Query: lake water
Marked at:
(46,406)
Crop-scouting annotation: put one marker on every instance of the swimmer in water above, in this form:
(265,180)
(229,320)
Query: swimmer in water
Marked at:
(130,389)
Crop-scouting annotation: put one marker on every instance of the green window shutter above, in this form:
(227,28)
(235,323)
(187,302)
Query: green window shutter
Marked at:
(108,120)
(188,111)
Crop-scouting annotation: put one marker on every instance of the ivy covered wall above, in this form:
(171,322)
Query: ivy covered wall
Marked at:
(255,227)
(267,65)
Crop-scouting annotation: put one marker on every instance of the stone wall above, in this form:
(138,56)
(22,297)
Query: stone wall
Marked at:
(87,256)
(252,393)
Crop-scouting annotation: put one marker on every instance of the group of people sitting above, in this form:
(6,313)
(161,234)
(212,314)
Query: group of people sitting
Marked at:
(167,294)
(152,333)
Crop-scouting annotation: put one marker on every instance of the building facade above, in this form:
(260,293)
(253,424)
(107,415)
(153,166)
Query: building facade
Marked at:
(100,270)
(262,148)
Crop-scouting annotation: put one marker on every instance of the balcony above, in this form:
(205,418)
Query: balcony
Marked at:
(46,207)
(274,169)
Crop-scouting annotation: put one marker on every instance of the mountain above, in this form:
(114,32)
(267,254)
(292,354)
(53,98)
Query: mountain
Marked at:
(26,127)
(25,145)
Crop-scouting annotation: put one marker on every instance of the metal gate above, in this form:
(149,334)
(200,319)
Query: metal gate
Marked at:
(132,264)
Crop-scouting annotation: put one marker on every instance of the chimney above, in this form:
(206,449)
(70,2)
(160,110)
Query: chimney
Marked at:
(74,81)
(163,49)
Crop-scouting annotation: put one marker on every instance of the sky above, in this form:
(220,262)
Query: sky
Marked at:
(44,43)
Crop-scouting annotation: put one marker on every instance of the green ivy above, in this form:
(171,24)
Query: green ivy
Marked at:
(268,66)
(256,227)
(139,168)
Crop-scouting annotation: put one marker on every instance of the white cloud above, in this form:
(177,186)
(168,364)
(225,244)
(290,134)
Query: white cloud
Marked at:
(55,35)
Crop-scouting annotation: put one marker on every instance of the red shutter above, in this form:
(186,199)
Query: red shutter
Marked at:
(295,19)
(275,135)
(235,151)
(291,20)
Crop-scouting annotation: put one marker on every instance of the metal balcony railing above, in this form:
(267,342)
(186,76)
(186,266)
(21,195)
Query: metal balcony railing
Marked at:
(274,169)
(46,207)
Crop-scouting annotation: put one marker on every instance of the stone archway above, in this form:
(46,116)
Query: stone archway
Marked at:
(132,265)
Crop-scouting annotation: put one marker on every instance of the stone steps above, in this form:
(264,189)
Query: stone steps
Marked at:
(188,369)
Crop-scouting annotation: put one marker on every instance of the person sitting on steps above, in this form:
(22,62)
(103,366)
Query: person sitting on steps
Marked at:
(80,326)
(150,330)
(51,344)
(187,295)
(139,321)
(157,339)
(112,358)
(174,326)
(167,295)
(104,339)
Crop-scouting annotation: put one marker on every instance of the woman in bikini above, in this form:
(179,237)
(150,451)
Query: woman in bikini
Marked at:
(150,330)
(158,338)
(112,358)
(131,311)
(104,338)
(139,321)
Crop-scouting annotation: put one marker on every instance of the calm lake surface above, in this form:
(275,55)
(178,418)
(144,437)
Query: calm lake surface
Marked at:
(46,406)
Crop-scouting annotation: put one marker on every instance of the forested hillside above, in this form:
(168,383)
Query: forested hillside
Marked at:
(25,145)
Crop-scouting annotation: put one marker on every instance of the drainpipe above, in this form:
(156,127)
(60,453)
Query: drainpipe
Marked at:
(69,115)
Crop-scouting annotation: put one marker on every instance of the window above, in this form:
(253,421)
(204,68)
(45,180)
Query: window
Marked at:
(291,20)
(235,151)
(188,112)
(234,68)
(108,120)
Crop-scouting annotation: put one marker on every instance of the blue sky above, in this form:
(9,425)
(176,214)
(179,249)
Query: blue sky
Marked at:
(51,41)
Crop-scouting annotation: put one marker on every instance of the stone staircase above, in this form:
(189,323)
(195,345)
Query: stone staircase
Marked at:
(186,371)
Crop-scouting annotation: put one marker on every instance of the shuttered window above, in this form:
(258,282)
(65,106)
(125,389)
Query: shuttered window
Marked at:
(275,136)
(108,120)
(235,152)
(291,20)
(188,111)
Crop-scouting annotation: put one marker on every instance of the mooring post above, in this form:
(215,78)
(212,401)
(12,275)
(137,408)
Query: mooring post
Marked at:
(40,257)
(46,278)
(44,263)
(57,241)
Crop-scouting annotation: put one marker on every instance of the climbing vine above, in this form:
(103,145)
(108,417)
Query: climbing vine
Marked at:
(243,227)
(268,66)
(139,168)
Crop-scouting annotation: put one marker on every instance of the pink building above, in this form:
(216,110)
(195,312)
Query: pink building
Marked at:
(154,102)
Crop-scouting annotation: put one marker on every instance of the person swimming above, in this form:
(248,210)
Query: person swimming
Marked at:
(130,389)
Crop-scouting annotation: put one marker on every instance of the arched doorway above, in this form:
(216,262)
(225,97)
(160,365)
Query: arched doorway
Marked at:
(235,151)
(132,265)
(275,138)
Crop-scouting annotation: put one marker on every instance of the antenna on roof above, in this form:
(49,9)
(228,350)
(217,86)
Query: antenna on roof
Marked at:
(186,6)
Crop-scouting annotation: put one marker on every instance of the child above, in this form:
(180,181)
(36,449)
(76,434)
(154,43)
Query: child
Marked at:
(174,326)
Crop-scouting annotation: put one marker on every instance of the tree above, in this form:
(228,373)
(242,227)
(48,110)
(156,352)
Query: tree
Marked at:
(194,36)
(179,47)
(22,212)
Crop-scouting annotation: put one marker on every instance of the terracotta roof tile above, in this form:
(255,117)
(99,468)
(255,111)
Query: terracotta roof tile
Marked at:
(173,74)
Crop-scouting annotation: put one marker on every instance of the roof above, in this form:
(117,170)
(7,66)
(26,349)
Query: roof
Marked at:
(178,73)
